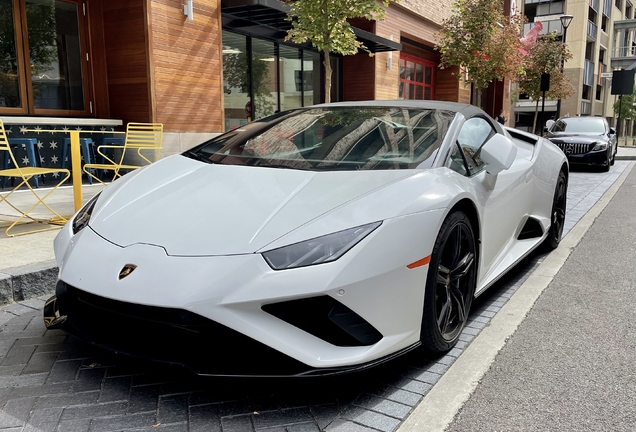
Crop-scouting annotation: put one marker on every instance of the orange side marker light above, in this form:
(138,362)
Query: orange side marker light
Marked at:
(420,263)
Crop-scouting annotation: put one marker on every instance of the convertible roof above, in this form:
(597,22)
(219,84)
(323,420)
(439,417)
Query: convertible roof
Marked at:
(466,109)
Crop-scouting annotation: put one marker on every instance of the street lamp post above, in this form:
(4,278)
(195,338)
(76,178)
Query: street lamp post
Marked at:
(565,22)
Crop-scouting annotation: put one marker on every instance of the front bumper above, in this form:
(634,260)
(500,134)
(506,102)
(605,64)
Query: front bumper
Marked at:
(597,158)
(234,293)
(174,336)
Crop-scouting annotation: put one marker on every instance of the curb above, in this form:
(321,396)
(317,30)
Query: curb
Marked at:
(27,282)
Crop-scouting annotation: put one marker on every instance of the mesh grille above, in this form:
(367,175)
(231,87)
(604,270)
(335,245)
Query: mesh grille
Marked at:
(574,148)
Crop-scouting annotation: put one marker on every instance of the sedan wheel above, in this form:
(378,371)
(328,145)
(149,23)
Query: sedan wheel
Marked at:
(450,285)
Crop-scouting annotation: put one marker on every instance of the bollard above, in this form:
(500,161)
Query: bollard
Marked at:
(76,166)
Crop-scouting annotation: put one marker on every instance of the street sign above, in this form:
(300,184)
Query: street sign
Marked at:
(607,74)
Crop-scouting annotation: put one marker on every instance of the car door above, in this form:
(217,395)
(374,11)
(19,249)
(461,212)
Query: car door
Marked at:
(503,206)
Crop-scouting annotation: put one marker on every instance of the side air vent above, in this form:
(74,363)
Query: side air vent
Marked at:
(517,134)
(531,229)
(327,319)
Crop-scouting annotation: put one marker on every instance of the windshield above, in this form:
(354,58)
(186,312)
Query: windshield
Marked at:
(334,138)
(579,125)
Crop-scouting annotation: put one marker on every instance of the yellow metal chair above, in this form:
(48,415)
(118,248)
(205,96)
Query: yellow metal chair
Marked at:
(25,174)
(142,137)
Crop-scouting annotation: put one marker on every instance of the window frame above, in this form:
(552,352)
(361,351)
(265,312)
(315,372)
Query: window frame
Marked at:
(470,173)
(425,64)
(21,35)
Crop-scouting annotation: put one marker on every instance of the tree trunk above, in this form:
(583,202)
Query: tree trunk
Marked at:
(536,114)
(327,64)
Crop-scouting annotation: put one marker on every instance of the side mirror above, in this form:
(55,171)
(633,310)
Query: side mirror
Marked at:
(498,154)
(612,131)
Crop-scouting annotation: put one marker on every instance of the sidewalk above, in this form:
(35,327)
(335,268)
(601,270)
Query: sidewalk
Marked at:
(27,263)
(626,153)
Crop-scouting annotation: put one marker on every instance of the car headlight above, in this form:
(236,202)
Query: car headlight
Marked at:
(318,250)
(84,215)
(600,146)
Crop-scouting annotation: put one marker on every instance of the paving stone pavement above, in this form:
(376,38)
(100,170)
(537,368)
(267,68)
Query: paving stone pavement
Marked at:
(52,382)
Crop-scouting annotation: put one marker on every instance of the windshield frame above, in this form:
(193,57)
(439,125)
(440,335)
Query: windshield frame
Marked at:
(384,152)
(577,121)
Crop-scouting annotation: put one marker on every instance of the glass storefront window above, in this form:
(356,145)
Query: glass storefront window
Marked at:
(43,59)
(262,77)
(56,54)
(9,79)
(236,80)
(292,78)
(311,72)
(265,84)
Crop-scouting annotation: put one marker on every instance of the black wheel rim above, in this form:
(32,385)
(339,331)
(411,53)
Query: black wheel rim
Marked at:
(455,282)
(558,213)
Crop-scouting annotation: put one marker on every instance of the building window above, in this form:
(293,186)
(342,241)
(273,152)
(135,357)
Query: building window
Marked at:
(49,36)
(261,77)
(618,4)
(416,78)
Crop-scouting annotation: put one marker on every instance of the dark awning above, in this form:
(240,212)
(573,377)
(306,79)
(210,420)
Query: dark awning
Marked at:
(267,18)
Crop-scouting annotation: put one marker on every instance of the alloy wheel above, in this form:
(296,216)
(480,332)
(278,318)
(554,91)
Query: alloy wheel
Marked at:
(455,280)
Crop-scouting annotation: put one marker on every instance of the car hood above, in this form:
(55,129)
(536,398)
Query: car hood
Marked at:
(576,138)
(194,208)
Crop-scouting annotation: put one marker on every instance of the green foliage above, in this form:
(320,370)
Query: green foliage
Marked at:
(325,24)
(478,37)
(627,111)
(546,57)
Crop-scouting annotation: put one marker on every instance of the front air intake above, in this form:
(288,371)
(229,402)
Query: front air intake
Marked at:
(327,319)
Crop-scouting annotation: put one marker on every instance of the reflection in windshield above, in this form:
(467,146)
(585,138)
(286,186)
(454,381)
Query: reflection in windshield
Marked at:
(579,125)
(343,138)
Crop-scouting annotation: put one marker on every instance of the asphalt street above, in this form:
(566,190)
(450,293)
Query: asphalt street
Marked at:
(571,364)
(52,382)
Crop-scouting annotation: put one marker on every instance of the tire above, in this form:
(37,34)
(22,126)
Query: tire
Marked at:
(449,293)
(613,158)
(557,216)
(606,168)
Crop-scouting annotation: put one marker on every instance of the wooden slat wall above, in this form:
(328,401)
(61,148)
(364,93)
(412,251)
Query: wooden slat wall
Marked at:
(126,47)
(358,85)
(186,59)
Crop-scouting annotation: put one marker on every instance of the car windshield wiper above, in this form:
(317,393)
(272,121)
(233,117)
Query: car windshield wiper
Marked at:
(198,156)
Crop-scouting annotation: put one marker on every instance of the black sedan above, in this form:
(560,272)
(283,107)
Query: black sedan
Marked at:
(585,140)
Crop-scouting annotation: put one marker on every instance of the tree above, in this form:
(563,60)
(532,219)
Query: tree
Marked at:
(479,38)
(627,111)
(546,56)
(324,23)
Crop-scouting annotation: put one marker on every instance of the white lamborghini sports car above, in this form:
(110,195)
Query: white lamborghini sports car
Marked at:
(315,241)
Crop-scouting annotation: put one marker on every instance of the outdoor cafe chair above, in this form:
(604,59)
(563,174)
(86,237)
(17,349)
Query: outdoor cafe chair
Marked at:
(140,137)
(32,152)
(23,175)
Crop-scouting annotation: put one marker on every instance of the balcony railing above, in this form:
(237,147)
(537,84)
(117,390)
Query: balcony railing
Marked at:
(607,7)
(586,108)
(588,73)
(591,30)
(548,26)
(624,51)
(594,5)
